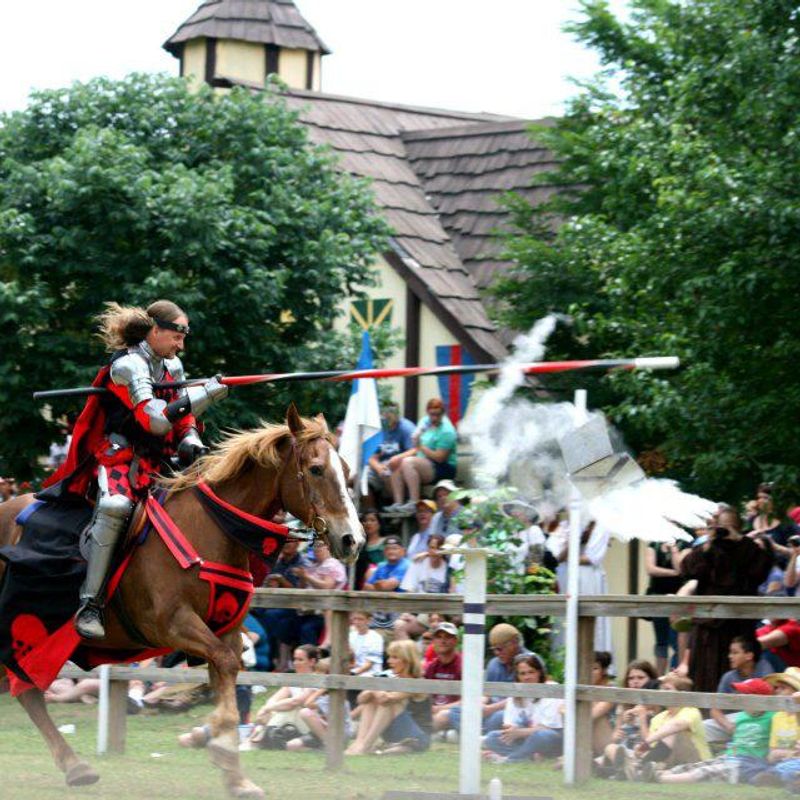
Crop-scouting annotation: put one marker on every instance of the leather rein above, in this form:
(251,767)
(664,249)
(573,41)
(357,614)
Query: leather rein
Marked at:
(316,526)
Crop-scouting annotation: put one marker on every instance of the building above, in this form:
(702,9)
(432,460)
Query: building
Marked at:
(438,176)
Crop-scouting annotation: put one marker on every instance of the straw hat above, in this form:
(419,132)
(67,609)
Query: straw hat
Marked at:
(791,677)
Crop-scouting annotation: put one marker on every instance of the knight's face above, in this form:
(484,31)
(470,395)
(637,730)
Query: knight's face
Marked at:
(167,343)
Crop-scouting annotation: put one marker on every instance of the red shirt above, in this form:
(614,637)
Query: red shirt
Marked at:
(790,652)
(444,672)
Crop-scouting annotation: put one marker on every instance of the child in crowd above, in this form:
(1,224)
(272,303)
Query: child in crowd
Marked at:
(745,757)
(531,726)
(784,737)
(314,713)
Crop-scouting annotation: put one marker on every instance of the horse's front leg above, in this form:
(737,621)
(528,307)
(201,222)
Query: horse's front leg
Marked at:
(223,657)
(76,772)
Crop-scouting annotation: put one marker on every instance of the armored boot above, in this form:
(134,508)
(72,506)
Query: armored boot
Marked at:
(110,518)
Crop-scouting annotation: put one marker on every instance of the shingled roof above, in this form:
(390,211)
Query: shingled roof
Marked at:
(368,138)
(275,22)
(465,171)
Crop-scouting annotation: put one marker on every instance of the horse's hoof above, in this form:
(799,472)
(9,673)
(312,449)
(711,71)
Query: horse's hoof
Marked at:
(247,790)
(81,774)
(223,754)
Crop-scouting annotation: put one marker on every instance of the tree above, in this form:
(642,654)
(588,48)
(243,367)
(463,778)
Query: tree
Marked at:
(682,236)
(140,189)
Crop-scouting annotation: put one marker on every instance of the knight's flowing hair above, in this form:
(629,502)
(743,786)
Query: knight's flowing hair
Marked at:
(125,326)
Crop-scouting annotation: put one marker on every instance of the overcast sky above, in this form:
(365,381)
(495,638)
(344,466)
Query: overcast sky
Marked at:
(503,56)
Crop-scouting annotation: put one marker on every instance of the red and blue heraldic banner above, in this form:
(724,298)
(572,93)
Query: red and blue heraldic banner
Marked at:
(454,389)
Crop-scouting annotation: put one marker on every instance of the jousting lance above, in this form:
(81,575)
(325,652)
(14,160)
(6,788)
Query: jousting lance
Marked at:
(531,368)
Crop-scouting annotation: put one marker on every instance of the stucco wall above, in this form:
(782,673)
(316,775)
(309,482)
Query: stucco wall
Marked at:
(194,61)
(292,67)
(241,60)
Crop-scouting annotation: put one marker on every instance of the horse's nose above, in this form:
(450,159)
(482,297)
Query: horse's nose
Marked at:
(348,542)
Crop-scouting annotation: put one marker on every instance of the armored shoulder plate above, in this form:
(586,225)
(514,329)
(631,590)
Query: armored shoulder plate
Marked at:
(133,371)
(175,368)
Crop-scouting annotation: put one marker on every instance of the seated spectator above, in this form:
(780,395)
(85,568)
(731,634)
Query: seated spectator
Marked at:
(430,573)
(66,690)
(637,675)
(272,722)
(445,520)
(782,638)
(418,546)
(445,666)
(746,662)
(675,736)
(387,577)
(372,553)
(505,642)
(433,458)
(315,712)
(396,445)
(366,645)
(602,729)
(784,737)
(530,727)
(745,757)
(401,719)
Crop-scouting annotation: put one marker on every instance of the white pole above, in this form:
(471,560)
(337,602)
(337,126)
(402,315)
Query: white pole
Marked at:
(357,478)
(102,710)
(472,669)
(571,621)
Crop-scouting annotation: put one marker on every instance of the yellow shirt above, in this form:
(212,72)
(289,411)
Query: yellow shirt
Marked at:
(695,720)
(784,731)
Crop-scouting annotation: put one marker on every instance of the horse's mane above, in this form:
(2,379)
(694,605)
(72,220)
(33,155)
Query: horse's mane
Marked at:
(239,450)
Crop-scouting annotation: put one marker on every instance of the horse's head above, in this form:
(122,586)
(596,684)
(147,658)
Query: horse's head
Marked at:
(314,487)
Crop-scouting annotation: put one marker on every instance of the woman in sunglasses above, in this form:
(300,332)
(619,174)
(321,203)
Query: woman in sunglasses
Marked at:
(123,436)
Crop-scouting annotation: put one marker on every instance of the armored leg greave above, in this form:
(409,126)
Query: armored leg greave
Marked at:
(110,518)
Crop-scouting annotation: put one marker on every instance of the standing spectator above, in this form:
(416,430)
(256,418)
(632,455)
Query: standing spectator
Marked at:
(397,443)
(744,656)
(429,573)
(372,553)
(366,645)
(663,562)
(445,666)
(387,577)
(592,577)
(401,719)
(531,727)
(433,458)
(782,638)
(768,522)
(727,564)
(445,520)
(419,541)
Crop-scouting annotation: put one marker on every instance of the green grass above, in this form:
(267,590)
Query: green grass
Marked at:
(156,768)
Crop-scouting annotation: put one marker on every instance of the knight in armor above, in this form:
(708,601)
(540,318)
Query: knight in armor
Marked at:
(124,437)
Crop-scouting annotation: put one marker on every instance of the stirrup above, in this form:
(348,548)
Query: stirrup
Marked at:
(89,620)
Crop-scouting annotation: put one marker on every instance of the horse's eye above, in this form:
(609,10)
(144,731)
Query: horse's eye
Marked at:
(316,470)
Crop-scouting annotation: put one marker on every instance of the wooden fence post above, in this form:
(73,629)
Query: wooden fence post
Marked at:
(340,665)
(583,736)
(117,714)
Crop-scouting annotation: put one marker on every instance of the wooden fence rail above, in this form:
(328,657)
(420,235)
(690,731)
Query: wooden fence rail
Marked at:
(338,682)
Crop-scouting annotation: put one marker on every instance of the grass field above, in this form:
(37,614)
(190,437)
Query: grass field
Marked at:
(156,768)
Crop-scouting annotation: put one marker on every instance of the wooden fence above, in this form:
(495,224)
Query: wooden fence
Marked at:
(342,603)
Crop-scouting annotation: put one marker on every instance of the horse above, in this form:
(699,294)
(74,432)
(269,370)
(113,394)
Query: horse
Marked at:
(292,466)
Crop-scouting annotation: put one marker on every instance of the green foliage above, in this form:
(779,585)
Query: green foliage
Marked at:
(139,189)
(485,524)
(683,237)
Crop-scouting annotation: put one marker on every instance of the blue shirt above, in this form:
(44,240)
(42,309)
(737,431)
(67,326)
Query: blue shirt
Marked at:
(763,667)
(396,440)
(385,571)
(496,670)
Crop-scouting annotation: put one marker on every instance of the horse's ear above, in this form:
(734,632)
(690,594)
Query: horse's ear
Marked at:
(323,422)
(293,419)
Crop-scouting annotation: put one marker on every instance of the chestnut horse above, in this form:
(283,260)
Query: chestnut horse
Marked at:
(292,466)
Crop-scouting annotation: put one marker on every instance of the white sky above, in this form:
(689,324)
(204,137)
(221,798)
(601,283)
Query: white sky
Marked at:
(503,56)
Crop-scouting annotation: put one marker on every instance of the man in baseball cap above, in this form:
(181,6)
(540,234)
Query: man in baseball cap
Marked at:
(445,666)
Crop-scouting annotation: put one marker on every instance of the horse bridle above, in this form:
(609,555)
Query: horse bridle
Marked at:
(316,525)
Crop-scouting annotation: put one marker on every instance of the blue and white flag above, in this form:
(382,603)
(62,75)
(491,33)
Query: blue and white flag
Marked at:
(362,429)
